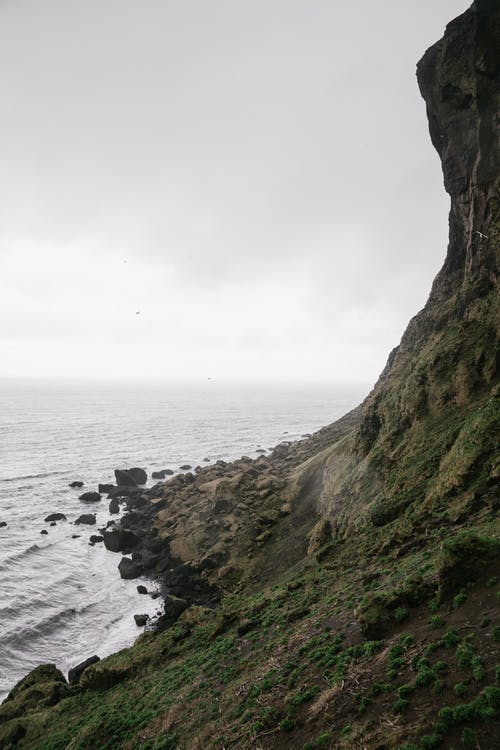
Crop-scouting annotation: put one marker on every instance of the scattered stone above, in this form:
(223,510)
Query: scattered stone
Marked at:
(75,673)
(130,477)
(104,489)
(114,506)
(120,540)
(185,467)
(141,620)
(95,539)
(90,497)
(55,517)
(129,569)
(260,450)
(87,518)
(44,531)
(53,523)
(168,472)
(3,524)
(75,536)
(142,589)
(158,475)
(76,484)
(206,460)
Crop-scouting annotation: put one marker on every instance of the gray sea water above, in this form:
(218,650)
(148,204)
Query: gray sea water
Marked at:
(62,600)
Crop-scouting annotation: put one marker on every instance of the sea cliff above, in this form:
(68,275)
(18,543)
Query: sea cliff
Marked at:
(344,591)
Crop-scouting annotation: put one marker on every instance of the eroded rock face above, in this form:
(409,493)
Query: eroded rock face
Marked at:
(413,443)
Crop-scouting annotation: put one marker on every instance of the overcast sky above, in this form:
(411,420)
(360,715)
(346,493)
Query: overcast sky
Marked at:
(254,176)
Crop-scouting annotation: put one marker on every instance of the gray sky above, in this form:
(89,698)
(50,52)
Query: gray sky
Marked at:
(263,166)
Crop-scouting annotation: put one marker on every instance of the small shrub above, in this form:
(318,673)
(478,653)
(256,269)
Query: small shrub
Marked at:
(460,689)
(468,737)
(496,633)
(400,705)
(436,622)
(401,613)
(287,725)
(459,599)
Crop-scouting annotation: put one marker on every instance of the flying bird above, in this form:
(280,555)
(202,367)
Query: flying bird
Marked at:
(483,236)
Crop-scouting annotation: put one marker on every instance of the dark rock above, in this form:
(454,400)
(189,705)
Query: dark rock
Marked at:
(55,517)
(142,589)
(124,491)
(53,523)
(130,477)
(206,460)
(124,478)
(185,467)
(75,673)
(104,489)
(260,450)
(158,475)
(87,518)
(95,539)
(129,569)
(138,475)
(168,472)
(174,607)
(114,506)
(44,531)
(75,536)
(90,497)
(76,484)
(120,540)
(3,524)
(141,620)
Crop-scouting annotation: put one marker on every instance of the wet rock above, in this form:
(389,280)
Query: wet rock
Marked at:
(114,506)
(90,497)
(129,569)
(75,673)
(53,523)
(120,540)
(87,518)
(130,477)
(141,620)
(185,467)
(95,539)
(142,589)
(75,536)
(44,531)
(124,491)
(3,524)
(168,472)
(174,607)
(55,517)
(104,489)
(158,475)
(76,484)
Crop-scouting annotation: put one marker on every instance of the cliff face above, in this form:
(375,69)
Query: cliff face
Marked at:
(427,430)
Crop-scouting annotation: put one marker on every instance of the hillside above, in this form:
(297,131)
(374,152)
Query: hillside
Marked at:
(343,592)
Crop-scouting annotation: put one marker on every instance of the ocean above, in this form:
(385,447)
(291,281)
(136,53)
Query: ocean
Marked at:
(61,599)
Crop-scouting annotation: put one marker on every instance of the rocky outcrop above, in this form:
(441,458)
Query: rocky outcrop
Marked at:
(426,431)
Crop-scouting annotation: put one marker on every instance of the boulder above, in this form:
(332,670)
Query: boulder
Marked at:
(141,620)
(114,506)
(129,569)
(44,531)
(124,490)
(90,497)
(76,484)
(104,489)
(142,589)
(120,540)
(174,607)
(168,472)
(3,524)
(158,475)
(130,477)
(95,539)
(87,518)
(55,517)
(185,467)
(75,673)
(43,686)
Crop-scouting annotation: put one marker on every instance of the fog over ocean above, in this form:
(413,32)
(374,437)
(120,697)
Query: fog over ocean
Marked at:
(62,600)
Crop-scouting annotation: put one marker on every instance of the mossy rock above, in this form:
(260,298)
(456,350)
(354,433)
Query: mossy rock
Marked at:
(42,674)
(101,677)
(464,557)
(373,616)
(11,734)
